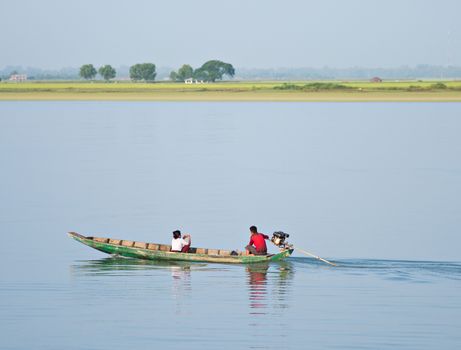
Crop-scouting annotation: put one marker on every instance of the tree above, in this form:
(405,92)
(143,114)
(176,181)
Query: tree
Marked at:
(214,70)
(143,71)
(185,72)
(107,72)
(87,71)
(174,76)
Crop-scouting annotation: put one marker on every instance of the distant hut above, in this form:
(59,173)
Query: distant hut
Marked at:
(376,80)
(18,77)
(192,81)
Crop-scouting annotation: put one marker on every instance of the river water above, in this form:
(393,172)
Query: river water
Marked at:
(373,186)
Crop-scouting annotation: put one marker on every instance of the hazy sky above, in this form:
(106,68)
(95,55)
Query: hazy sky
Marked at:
(256,33)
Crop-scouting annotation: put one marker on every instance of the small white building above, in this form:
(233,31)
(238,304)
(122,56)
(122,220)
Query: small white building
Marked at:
(192,81)
(18,77)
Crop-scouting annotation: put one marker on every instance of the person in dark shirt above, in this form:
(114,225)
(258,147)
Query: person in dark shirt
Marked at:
(257,245)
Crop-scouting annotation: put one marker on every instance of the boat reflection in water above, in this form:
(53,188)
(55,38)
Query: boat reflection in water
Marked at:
(118,265)
(181,287)
(179,282)
(257,282)
(269,288)
(263,291)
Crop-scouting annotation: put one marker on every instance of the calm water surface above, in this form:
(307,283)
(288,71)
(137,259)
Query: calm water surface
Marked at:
(347,180)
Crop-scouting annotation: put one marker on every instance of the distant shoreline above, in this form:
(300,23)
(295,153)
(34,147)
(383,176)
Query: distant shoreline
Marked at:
(300,91)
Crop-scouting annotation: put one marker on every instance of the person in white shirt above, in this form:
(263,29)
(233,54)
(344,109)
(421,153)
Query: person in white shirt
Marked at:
(178,244)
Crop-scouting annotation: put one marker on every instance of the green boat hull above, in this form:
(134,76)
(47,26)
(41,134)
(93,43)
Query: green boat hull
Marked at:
(155,254)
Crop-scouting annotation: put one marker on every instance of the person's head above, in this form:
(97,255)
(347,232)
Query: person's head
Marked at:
(253,229)
(176,234)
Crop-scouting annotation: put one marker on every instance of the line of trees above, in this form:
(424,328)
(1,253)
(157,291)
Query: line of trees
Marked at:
(210,71)
(107,72)
(138,72)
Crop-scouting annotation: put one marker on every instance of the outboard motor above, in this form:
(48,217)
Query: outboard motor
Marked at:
(279,237)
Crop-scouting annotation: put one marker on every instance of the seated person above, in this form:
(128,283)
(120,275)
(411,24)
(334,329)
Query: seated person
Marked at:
(257,245)
(188,241)
(178,244)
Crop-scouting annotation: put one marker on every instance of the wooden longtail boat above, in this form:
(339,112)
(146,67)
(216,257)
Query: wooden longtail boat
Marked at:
(153,251)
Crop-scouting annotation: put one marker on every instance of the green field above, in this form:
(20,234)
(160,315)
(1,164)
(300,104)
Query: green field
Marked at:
(235,91)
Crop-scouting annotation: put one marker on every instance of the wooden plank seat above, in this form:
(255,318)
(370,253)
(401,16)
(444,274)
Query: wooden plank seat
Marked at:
(141,245)
(101,239)
(127,243)
(153,246)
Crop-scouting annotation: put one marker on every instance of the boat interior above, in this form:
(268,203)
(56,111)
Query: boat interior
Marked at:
(160,247)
